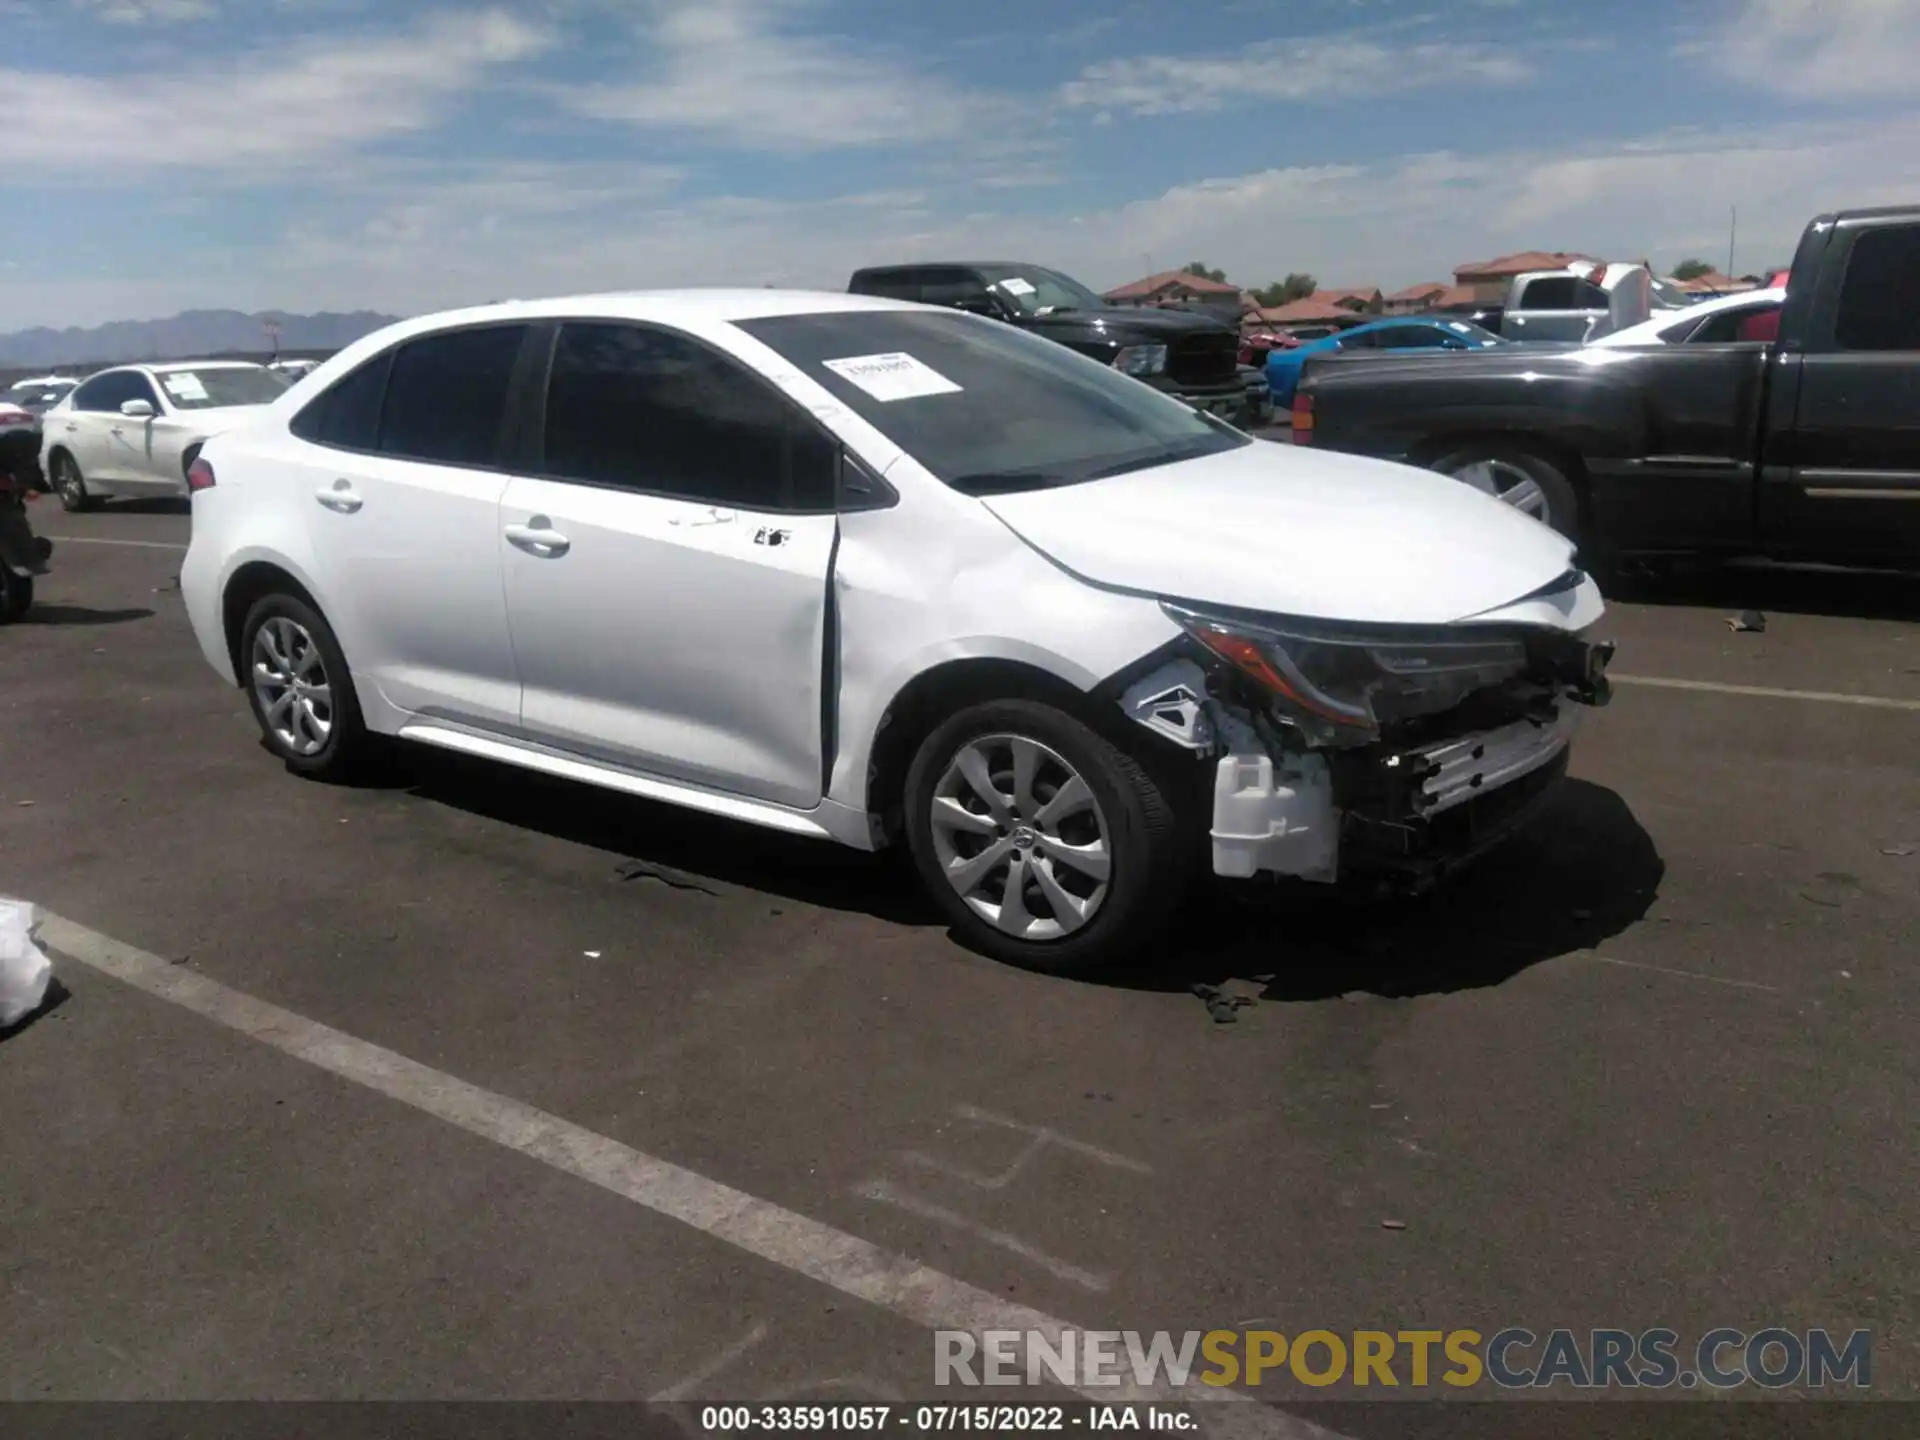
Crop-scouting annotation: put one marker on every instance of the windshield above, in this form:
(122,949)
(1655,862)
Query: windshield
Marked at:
(1474,334)
(210,389)
(1037,292)
(986,407)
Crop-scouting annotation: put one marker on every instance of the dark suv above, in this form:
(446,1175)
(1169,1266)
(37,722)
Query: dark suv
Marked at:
(1194,358)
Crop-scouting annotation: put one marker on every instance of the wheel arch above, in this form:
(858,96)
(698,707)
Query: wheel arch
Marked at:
(250,583)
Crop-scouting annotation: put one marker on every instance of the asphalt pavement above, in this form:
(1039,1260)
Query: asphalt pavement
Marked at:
(1650,1065)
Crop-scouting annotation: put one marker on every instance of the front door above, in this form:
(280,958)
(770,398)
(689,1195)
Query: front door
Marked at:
(667,566)
(130,440)
(395,469)
(1852,455)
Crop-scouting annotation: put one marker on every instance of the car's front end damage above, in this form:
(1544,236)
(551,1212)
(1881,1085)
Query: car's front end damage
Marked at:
(1367,754)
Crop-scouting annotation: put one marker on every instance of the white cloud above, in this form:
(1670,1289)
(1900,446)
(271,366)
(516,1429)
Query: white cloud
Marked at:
(1312,68)
(143,12)
(253,112)
(408,243)
(735,71)
(1819,49)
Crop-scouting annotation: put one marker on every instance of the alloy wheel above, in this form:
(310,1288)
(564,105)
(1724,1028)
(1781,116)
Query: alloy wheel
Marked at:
(73,490)
(1020,836)
(1510,485)
(290,683)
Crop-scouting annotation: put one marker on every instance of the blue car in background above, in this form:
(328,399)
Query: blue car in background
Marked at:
(1410,332)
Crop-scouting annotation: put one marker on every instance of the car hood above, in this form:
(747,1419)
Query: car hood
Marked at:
(1128,323)
(1295,532)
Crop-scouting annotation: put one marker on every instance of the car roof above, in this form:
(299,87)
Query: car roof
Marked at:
(672,307)
(953,265)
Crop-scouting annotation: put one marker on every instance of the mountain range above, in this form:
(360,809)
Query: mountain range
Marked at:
(190,335)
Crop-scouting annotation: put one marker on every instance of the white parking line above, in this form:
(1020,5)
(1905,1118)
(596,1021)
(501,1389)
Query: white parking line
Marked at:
(1767,692)
(782,1237)
(100,540)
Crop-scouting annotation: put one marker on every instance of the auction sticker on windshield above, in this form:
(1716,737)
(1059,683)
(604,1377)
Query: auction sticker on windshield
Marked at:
(1014,285)
(892,377)
(184,385)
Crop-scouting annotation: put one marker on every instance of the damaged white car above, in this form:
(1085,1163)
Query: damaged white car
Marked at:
(878,573)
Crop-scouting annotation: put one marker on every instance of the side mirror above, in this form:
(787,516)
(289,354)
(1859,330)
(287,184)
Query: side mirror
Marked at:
(137,409)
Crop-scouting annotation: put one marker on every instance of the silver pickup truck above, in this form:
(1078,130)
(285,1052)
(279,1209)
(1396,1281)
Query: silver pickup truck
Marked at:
(1583,302)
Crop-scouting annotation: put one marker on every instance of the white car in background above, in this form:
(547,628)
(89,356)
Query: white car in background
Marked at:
(292,370)
(134,430)
(1726,320)
(877,573)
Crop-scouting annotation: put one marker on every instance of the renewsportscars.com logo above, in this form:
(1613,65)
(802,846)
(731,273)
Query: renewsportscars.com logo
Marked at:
(1773,1358)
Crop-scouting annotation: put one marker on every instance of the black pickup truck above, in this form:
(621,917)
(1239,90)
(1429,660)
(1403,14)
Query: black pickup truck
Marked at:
(1804,448)
(1195,358)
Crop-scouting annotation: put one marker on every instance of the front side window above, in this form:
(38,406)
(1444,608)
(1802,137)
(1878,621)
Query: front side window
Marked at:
(948,286)
(1370,340)
(1730,326)
(105,392)
(659,412)
(446,395)
(990,408)
(1880,293)
(214,389)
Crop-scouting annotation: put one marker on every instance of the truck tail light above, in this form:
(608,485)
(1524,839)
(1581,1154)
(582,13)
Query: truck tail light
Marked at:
(1302,419)
(199,477)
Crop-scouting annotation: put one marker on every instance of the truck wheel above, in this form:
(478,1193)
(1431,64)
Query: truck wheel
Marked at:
(1044,845)
(1519,478)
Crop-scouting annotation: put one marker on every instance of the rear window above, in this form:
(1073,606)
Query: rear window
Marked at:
(1880,294)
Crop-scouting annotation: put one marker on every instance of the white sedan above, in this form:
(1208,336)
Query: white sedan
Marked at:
(1724,320)
(135,430)
(882,573)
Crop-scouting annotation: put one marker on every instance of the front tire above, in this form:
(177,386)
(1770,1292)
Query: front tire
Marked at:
(1530,483)
(302,692)
(70,485)
(1043,844)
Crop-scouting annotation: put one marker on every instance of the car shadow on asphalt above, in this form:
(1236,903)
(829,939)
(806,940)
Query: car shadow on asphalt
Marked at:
(650,842)
(1783,590)
(81,615)
(1581,873)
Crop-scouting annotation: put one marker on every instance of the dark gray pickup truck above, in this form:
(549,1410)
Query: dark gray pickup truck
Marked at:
(1803,448)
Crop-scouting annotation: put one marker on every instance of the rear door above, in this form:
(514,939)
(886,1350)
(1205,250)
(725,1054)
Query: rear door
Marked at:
(666,555)
(400,480)
(1852,456)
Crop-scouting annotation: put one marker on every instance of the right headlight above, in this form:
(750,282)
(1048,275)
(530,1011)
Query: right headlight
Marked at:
(1341,689)
(1141,359)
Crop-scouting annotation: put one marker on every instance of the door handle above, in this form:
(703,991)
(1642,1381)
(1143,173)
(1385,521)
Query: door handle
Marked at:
(538,537)
(339,497)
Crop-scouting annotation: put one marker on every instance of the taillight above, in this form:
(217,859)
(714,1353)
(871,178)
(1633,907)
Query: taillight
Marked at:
(199,476)
(1302,419)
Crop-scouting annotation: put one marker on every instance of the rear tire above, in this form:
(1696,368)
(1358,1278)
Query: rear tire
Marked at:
(1530,483)
(70,485)
(302,693)
(1044,845)
(16,595)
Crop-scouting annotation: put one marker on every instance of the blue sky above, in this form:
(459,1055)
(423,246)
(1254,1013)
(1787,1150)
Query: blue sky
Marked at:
(412,154)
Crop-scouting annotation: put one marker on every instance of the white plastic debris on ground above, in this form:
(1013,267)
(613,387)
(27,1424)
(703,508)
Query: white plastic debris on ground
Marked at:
(24,970)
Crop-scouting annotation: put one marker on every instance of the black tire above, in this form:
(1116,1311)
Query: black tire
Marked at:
(16,595)
(350,752)
(70,485)
(1146,875)
(1562,500)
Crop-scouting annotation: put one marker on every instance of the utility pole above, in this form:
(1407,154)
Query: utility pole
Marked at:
(1733,232)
